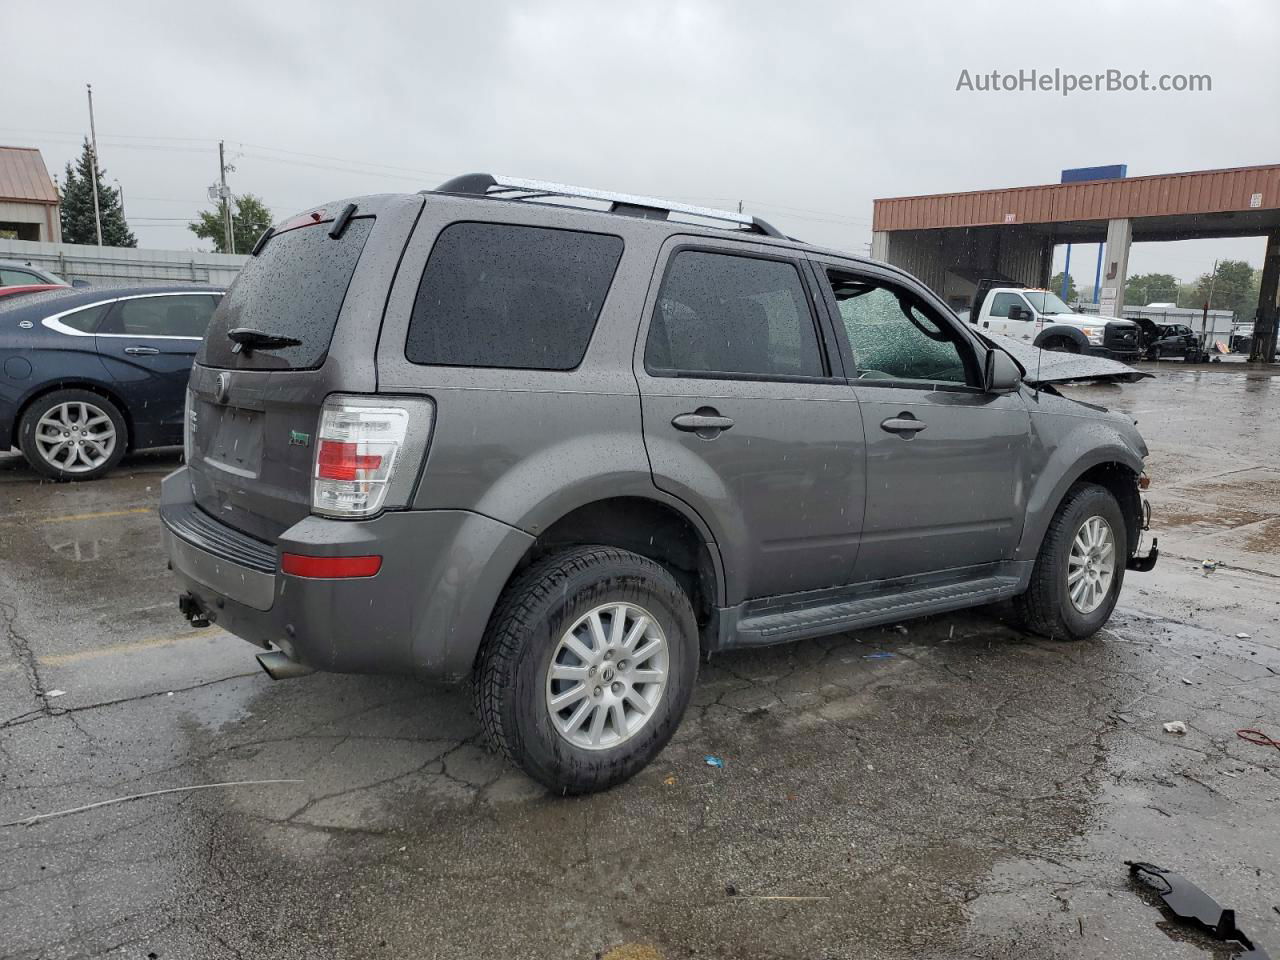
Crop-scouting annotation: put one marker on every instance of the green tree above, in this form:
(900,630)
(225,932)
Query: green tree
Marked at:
(77,206)
(1144,288)
(1055,284)
(249,220)
(1233,287)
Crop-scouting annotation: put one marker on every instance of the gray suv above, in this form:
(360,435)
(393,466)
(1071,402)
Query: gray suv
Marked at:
(566,442)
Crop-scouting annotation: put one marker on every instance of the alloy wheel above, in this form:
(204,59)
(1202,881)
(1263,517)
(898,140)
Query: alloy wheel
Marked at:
(607,676)
(75,437)
(1091,565)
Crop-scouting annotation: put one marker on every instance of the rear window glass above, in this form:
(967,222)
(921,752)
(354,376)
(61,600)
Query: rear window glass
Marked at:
(293,288)
(499,295)
(86,320)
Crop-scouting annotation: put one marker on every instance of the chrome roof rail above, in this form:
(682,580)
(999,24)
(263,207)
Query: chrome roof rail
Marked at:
(518,188)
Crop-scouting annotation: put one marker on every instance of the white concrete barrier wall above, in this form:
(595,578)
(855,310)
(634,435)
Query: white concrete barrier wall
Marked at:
(112,266)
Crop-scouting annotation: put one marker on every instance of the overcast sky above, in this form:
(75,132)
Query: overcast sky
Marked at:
(805,111)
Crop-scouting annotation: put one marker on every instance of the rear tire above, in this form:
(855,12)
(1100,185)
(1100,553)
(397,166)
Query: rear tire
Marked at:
(73,435)
(1050,606)
(553,629)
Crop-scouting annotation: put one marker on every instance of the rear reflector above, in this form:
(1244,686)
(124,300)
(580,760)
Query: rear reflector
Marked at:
(329,568)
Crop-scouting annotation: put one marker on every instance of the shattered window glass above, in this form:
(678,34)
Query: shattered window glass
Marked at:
(893,338)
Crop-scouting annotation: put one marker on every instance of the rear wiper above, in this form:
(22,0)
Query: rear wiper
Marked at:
(248,339)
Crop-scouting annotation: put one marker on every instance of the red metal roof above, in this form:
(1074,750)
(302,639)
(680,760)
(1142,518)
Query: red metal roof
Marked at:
(1170,194)
(23,177)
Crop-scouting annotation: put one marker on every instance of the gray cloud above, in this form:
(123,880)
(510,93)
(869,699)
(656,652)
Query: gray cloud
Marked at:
(806,111)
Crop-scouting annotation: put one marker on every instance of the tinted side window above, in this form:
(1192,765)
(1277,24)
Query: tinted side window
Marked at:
(893,336)
(86,320)
(1001,303)
(501,295)
(180,316)
(724,314)
(293,288)
(10,277)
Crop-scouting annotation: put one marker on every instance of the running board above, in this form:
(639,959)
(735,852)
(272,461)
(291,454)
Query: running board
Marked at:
(760,623)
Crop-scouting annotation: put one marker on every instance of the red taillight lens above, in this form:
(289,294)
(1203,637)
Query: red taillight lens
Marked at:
(340,461)
(329,568)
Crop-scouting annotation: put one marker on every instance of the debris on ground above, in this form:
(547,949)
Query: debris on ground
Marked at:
(1210,565)
(49,695)
(1188,902)
(1186,681)
(713,761)
(670,781)
(1242,636)
(879,655)
(1258,737)
(1175,726)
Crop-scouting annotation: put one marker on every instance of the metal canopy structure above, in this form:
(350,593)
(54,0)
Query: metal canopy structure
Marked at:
(950,237)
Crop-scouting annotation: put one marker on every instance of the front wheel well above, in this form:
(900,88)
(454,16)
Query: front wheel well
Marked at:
(648,528)
(1121,481)
(88,385)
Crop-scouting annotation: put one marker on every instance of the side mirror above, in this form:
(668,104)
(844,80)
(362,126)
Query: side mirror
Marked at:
(1001,373)
(1018,313)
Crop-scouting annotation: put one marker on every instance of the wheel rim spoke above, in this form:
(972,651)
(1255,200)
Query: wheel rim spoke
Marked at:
(607,675)
(75,437)
(1090,571)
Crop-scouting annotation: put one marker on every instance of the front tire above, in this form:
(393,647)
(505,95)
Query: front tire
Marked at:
(587,666)
(1061,345)
(73,435)
(1080,568)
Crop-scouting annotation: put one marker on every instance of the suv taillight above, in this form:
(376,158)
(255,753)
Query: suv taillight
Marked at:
(367,453)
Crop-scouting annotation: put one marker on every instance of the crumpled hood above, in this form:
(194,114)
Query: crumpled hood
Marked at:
(1051,366)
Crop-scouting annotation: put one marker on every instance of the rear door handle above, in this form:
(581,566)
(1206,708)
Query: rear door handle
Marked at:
(706,422)
(141,351)
(908,427)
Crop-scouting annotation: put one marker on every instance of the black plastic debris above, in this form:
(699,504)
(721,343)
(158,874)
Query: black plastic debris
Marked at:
(1192,905)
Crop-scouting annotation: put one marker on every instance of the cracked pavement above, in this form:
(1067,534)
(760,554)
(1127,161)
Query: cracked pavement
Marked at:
(973,795)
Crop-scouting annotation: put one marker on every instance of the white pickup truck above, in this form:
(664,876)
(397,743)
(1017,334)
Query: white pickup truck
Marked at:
(1041,318)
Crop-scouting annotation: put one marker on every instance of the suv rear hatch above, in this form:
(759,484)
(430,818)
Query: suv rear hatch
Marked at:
(300,322)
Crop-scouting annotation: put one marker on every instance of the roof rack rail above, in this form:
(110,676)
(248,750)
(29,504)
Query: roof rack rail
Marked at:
(517,188)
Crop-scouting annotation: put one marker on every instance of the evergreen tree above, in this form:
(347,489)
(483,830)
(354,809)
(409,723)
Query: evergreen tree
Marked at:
(1055,284)
(77,206)
(249,220)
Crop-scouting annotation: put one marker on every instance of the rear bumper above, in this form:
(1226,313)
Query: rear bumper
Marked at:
(423,613)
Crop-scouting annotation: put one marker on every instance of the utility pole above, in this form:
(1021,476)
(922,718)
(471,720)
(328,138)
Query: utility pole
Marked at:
(93,162)
(739,206)
(230,242)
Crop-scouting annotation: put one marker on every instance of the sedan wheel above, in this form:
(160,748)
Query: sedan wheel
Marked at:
(73,435)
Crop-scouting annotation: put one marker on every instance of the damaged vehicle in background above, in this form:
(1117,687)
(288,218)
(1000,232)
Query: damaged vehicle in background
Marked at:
(1041,318)
(566,449)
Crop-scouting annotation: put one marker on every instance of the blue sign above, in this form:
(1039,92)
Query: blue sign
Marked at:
(1116,171)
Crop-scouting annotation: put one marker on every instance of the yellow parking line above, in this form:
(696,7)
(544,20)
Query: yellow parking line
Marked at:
(59,659)
(94,516)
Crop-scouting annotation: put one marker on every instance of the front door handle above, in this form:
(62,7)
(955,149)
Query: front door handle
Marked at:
(906,427)
(141,351)
(706,422)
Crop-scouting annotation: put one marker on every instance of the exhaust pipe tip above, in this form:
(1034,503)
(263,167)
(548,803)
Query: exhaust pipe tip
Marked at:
(279,667)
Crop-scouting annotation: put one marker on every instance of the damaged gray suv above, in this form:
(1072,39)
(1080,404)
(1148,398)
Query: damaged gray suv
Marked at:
(565,443)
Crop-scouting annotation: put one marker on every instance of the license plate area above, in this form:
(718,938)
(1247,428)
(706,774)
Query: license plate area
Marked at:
(235,440)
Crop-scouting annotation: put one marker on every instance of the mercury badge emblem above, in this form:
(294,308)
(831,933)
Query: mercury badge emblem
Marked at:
(221,387)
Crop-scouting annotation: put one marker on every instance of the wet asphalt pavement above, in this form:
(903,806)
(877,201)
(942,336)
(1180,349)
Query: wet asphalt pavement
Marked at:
(973,794)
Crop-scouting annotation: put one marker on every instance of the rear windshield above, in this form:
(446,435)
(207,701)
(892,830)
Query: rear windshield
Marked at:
(501,295)
(293,288)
